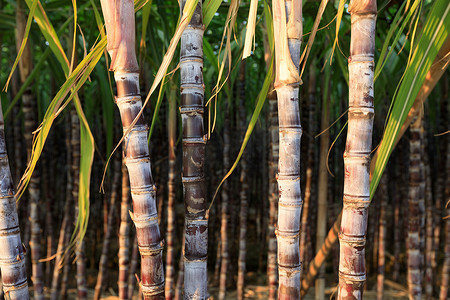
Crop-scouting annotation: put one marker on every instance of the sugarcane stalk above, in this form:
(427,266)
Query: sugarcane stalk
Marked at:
(416,177)
(382,237)
(433,76)
(272,195)
(243,207)
(80,247)
(180,279)
(224,214)
(397,217)
(287,20)
(133,268)
(124,237)
(192,93)
(170,233)
(102,266)
(322,202)
(120,27)
(12,254)
(445,148)
(54,291)
(352,236)
(311,159)
(429,249)
(272,274)
(445,278)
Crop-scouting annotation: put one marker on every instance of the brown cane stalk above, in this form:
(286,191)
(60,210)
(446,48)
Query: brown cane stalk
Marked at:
(322,201)
(445,276)
(170,234)
(243,208)
(382,237)
(311,160)
(102,266)
(124,236)
(428,279)
(133,268)
(438,67)
(120,27)
(192,94)
(180,279)
(416,192)
(80,248)
(352,236)
(224,215)
(287,20)
(272,274)
(12,255)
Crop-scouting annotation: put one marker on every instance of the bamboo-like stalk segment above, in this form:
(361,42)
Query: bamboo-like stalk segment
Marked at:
(446,267)
(398,198)
(311,160)
(170,234)
(80,247)
(224,210)
(446,147)
(352,236)
(133,268)
(416,191)
(243,208)
(124,236)
(120,27)
(322,201)
(272,274)
(192,93)
(102,266)
(180,279)
(54,291)
(287,20)
(429,249)
(12,254)
(382,237)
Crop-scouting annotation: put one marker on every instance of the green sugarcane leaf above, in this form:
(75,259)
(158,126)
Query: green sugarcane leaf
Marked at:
(397,22)
(435,31)
(86,159)
(24,42)
(259,105)
(145,18)
(28,81)
(269,24)
(210,8)
(50,35)
(209,55)
(162,89)
(305,54)
(72,84)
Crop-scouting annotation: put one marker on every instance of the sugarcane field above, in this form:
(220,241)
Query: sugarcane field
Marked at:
(209,149)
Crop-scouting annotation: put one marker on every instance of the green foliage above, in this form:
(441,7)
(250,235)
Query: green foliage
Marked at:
(435,31)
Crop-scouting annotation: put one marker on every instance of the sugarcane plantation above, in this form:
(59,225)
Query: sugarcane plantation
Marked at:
(283,149)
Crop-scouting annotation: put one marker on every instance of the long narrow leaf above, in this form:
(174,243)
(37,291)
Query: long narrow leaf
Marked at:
(433,36)
(24,42)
